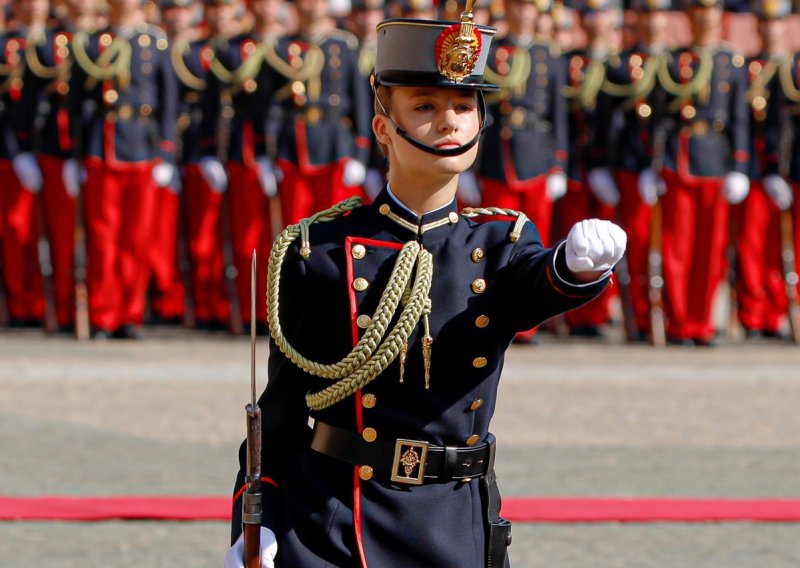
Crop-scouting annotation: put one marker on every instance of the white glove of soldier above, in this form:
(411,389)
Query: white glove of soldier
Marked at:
(213,172)
(354,173)
(779,191)
(602,184)
(164,174)
(594,245)
(556,186)
(267,177)
(735,187)
(468,191)
(373,183)
(650,187)
(269,548)
(28,172)
(73,174)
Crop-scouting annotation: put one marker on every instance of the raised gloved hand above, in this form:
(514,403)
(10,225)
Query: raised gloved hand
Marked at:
(213,172)
(468,191)
(269,548)
(354,173)
(164,174)
(779,191)
(603,186)
(594,245)
(374,182)
(73,174)
(735,187)
(267,176)
(650,186)
(556,186)
(28,172)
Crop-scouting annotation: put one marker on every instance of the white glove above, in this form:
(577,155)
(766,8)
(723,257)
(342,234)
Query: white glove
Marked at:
(594,245)
(267,177)
(602,184)
(269,548)
(73,174)
(354,173)
(468,191)
(214,173)
(735,187)
(28,172)
(556,185)
(164,174)
(649,186)
(373,183)
(779,191)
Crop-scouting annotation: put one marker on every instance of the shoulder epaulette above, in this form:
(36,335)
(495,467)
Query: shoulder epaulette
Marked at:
(516,230)
(345,36)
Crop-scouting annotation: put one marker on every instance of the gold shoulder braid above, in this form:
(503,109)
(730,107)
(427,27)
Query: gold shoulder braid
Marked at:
(640,88)
(246,71)
(313,62)
(34,40)
(593,79)
(758,88)
(113,63)
(189,79)
(514,82)
(700,80)
(374,353)
(787,81)
(516,230)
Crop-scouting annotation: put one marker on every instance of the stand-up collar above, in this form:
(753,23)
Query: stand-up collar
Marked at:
(411,226)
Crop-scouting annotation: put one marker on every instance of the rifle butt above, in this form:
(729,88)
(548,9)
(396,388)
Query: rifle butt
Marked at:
(790,276)
(252,546)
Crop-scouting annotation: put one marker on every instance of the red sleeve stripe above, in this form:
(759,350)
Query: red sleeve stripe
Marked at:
(268,480)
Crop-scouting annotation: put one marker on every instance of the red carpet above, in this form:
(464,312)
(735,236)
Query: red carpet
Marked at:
(535,509)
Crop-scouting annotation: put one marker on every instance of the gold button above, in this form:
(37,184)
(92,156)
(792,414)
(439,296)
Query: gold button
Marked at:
(294,50)
(360,284)
(146,110)
(61,40)
(62,87)
(636,60)
(644,111)
(363,321)
(250,86)
(453,216)
(472,440)
(369,434)
(147,68)
(369,400)
(478,285)
(479,362)
(298,88)
(365,472)
(476,404)
(335,100)
(105,40)
(477,255)
(125,112)
(162,44)
(111,96)
(482,321)
(688,112)
(759,103)
(144,40)
(359,251)
(249,47)
(738,60)
(384,209)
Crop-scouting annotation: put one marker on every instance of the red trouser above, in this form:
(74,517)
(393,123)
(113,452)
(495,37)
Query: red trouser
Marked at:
(303,194)
(168,297)
(119,208)
(251,229)
(576,205)
(532,201)
(205,247)
(635,219)
(59,218)
(695,234)
(20,253)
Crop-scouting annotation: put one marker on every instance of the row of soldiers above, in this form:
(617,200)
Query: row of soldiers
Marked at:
(164,136)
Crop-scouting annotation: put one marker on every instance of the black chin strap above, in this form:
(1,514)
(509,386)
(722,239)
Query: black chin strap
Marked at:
(432,149)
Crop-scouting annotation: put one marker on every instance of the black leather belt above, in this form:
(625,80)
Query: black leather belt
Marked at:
(406,461)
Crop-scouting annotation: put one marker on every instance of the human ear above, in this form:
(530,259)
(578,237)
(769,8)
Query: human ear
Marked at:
(380,130)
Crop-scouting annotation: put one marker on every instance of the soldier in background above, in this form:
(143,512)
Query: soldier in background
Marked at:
(705,169)
(592,191)
(416,9)
(123,106)
(235,133)
(632,85)
(19,170)
(323,115)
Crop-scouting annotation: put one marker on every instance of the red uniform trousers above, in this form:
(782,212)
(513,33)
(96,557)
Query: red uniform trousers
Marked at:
(205,248)
(20,253)
(251,229)
(59,218)
(635,219)
(304,191)
(577,205)
(167,286)
(119,206)
(695,234)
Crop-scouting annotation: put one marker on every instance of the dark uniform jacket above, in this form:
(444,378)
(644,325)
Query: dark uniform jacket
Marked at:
(485,289)
(14,137)
(324,108)
(764,100)
(527,128)
(782,140)
(708,129)
(191,63)
(130,116)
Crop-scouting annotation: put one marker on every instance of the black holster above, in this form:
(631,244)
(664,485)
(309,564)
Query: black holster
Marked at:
(498,530)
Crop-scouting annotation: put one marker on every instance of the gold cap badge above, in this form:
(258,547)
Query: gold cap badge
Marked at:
(458,48)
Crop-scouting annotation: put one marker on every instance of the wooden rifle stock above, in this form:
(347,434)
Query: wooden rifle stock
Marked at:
(655,279)
(789,258)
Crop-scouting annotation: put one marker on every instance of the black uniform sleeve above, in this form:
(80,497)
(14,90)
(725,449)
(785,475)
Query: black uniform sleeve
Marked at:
(739,131)
(168,107)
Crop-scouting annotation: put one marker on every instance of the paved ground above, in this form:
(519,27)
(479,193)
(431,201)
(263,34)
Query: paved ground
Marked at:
(165,416)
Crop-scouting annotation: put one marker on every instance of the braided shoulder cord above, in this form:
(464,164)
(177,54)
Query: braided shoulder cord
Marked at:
(516,230)
(369,358)
(787,81)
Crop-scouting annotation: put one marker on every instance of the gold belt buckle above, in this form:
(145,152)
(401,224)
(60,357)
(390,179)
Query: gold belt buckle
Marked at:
(408,465)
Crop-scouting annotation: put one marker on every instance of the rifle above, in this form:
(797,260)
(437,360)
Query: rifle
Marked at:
(790,273)
(251,500)
(732,331)
(658,335)
(626,301)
